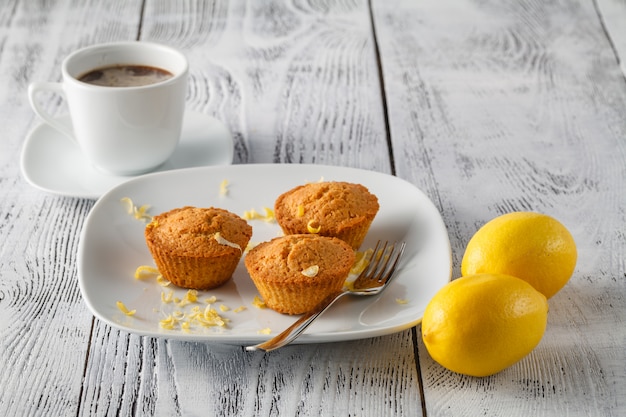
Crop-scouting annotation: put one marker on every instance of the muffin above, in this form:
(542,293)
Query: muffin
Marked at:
(335,209)
(197,248)
(295,273)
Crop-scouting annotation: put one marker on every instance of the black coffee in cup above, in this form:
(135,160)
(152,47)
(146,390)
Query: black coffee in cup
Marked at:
(125,76)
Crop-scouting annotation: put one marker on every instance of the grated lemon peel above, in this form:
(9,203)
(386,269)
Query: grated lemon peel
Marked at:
(258,302)
(223,241)
(318,181)
(267,330)
(402,301)
(139,213)
(145,271)
(207,317)
(310,226)
(311,271)
(168,323)
(190,297)
(122,307)
(162,281)
(252,214)
(361,261)
(184,318)
(224,187)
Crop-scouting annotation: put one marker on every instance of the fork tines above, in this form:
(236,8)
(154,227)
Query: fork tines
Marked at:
(382,261)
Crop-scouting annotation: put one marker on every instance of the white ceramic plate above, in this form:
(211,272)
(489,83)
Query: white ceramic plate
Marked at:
(112,246)
(53,163)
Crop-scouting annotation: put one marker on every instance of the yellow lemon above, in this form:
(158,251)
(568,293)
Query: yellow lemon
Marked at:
(532,246)
(482,324)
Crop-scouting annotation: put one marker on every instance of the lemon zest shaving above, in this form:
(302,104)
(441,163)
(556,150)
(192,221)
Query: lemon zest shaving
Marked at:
(191,296)
(252,214)
(267,330)
(122,307)
(168,323)
(224,187)
(320,180)
(240,309)
(162,281)
(145,271)
(402,301)
(311,228)
(269,215)
(361,261)
(209,317)
(223,241)
(139,213)
(258,302)
(128,203)
(224,308)
(311,271)
(212,318)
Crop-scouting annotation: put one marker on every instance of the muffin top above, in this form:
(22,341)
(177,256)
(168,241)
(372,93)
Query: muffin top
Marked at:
(300,258)
(193,231)
(329,206)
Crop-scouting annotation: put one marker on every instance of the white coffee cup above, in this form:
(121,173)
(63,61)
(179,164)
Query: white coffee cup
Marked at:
(120,130)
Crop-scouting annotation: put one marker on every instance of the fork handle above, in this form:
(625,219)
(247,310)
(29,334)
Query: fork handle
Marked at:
(292,332)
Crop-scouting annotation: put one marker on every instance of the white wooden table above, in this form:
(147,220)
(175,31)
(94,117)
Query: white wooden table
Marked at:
(488,107)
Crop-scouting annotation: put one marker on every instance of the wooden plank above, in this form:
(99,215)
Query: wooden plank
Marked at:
(44,324)
(496,107)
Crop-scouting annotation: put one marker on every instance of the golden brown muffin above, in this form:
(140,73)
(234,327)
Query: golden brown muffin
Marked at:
(295,273)
(336,209)
(197,248)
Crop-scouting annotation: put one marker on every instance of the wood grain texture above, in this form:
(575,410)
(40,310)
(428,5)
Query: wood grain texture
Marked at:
(160,377)
(530,91)
(296,83)
(44,326)
(492,107)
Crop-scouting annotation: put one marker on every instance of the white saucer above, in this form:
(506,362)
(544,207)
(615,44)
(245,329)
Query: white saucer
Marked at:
(52,163)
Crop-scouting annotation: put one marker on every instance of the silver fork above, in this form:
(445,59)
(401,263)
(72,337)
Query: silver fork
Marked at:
(382,264)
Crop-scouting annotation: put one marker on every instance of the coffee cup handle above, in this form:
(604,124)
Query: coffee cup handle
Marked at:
(57,88)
